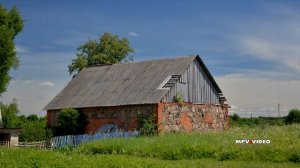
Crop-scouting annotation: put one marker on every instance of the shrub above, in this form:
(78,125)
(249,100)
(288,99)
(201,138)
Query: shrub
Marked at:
(178,98)
(32,117)
(35,131)
(293,117)
(228,155)
(295,157)
(146,124)
(70,121)
(236,117)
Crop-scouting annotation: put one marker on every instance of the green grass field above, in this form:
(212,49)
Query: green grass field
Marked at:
(210,149)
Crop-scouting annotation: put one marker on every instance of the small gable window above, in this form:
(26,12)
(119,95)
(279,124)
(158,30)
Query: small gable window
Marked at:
(182,80)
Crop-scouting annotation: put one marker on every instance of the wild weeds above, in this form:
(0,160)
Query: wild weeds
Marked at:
(219,146)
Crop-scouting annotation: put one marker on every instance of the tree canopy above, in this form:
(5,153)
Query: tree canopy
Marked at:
(70,122)
(109,49)
(9,114)
(10,25)
(293,116)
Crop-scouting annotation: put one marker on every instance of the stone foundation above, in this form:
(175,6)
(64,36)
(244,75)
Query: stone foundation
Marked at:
(188,117)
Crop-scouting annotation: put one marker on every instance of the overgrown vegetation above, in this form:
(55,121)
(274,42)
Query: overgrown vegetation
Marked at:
(146,124)
(178,98)
(284,147)
(11,158)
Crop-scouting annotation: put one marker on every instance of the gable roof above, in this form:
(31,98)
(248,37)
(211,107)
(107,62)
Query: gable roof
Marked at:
(122,84)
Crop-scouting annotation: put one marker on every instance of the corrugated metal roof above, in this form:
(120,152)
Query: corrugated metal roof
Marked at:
(120,84)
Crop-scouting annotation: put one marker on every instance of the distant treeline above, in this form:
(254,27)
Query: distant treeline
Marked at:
(235,120)
(293,117)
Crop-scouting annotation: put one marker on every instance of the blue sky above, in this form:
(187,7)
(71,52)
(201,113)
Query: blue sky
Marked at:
(251,47)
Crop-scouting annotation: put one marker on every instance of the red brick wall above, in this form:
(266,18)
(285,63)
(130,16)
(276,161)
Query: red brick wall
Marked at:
(123,116)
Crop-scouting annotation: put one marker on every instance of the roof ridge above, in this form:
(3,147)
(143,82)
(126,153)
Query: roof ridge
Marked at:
(150,60)
(161,59)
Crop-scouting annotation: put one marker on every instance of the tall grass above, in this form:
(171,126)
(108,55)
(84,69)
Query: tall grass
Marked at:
(284,147)
(209,149)
(33,158)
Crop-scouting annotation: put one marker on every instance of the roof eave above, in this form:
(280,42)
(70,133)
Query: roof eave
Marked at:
(208,74)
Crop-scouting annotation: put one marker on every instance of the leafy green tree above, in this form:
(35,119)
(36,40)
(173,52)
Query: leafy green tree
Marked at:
(1,123)
(9,114)
(34,130)
(293,116)
(32,117)
(22,118)
(70,121)
(10,25)
(68,118)
(109,49)
(236,117)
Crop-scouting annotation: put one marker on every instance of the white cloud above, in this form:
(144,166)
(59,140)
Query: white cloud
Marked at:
(31,96)
(259,96)
(133,34)
(276,41)
(285,53)
(47,84)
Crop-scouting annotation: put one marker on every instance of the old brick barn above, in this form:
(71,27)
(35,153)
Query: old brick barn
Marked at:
(113,94)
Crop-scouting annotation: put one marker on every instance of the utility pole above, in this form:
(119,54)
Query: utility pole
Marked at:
(1,123)
(278,110)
